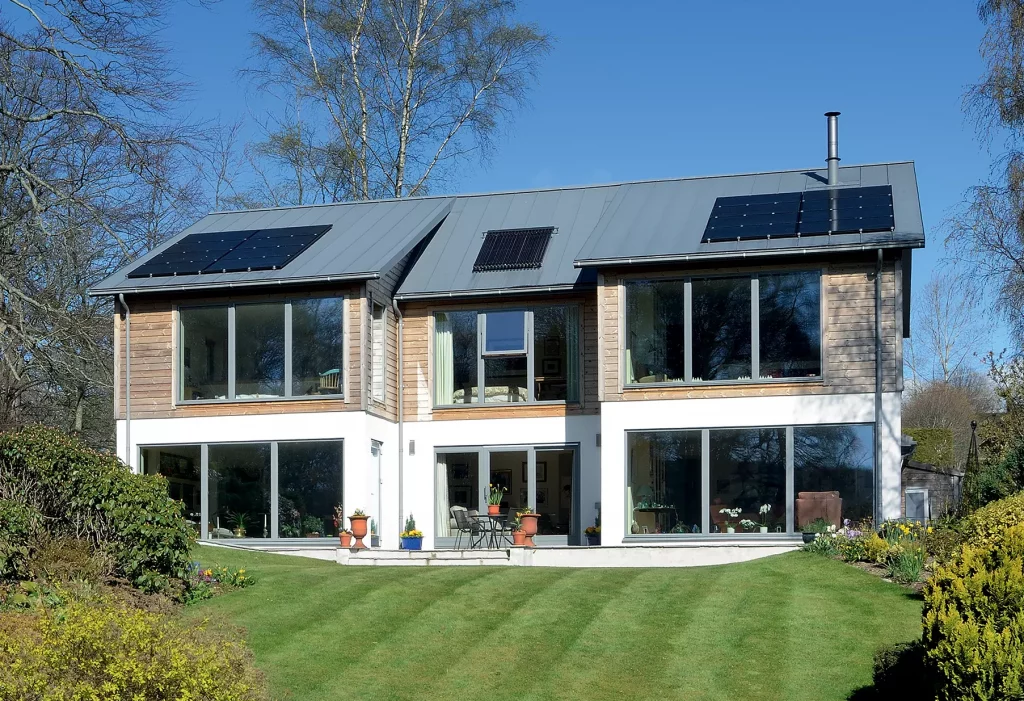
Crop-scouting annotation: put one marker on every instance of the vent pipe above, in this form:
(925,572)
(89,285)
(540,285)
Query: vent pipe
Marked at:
(833,148)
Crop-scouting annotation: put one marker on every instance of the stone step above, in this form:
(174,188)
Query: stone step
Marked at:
(377,556)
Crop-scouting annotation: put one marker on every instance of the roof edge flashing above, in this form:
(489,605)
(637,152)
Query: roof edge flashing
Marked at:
(232,284)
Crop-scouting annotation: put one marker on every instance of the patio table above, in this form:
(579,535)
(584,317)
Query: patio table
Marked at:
(492,524)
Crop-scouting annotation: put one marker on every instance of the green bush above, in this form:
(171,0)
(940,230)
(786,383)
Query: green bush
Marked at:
(18,526)
(934,445)
(974,619)
(900,672)
(986,525)
(105,650)
(85,494)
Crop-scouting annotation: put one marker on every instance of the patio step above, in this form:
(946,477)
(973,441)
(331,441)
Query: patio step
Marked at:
(422,558)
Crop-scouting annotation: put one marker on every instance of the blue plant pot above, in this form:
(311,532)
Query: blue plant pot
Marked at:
(412,543)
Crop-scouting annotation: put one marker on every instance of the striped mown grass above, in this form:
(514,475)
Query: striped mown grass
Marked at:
(793,627)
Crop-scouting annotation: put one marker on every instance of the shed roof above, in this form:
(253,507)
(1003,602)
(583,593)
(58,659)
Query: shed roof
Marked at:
(365,239)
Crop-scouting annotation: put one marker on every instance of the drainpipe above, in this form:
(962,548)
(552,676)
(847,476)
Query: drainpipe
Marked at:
(878,384)
(401,444)
(127,380)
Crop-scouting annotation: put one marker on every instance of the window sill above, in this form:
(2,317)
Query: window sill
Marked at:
(258,400)
(729,383)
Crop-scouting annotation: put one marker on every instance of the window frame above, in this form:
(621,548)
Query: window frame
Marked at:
(755,332)
(529,354)
(179,353)
(790,531)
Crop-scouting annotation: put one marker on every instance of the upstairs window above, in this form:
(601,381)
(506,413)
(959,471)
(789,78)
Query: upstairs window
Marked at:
(724,329)
(506,356)
(377,353)
(276,350)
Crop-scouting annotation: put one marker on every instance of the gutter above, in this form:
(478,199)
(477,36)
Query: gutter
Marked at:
(878,387)
(753,253)
(401,439)
(324,279)
(127,381)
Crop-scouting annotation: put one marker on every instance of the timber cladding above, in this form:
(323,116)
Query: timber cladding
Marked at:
(848,343)
(417,371)
(154,371)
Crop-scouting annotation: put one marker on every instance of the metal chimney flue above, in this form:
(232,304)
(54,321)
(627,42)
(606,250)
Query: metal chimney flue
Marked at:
(833,148)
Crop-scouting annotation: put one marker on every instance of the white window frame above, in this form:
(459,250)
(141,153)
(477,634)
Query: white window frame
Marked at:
(927,502)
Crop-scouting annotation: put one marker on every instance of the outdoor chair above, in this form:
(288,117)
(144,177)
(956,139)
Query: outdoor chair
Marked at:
(465,522)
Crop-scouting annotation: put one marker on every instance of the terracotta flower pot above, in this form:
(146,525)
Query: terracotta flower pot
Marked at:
(493,509)
(529,522)
(518,538)
(345,539)
(359,529)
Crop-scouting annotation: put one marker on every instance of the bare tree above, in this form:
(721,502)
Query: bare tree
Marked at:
(90,165)
(392,92)
(950,321)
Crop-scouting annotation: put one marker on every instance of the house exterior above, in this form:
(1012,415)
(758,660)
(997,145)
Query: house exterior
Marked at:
(697,361)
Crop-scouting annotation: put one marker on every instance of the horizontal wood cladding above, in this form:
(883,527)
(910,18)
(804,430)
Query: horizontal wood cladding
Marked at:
(154,374)
(849,336)
(417,372)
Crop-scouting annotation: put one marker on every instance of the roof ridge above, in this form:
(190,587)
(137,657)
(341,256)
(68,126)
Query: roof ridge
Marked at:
(559,188)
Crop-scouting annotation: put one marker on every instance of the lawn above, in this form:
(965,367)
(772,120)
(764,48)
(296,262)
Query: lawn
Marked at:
(795,626)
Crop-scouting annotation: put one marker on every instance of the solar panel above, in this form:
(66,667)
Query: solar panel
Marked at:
(811,213)
(268,249)
(191,255)
(231,251)
(513,249)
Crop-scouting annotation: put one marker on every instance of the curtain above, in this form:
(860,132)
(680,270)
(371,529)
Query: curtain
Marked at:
(572,353)
(444,363)
(442,526)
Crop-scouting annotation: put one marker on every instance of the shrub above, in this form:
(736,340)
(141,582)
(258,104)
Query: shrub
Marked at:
(68,559)
(18,525)
(900,672)
(83,493)
(104,650)
(974,619)
(824,544)
(876,549)
(986,525)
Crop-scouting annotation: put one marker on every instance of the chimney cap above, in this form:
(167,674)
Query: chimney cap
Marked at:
(832,114)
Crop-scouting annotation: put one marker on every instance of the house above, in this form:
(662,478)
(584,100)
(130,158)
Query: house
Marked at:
(701,361)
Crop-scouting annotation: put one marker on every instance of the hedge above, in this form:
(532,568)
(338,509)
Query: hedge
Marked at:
(985,525)
(81,493)
(934,445)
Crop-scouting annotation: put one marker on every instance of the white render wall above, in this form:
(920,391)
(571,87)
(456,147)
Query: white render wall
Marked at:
(438,436)
(738,412)
(356,428)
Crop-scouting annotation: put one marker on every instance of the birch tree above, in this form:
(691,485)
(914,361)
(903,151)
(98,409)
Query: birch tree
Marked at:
(390,94)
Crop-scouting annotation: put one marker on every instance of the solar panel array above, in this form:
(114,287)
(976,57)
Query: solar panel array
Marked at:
(513,249)
(810,213)
(231,251)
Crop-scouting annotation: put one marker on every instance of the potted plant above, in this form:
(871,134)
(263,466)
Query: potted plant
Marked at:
(344,535)
(311,526)
(412,539)
(748,524)
(518,534)
(494,496)
(764,511)
(358,520)
(730,514)
(812,529)
(593,533)
(239,519)
(528,519)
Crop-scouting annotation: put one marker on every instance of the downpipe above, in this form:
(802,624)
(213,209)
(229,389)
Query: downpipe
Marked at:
(401,439)
(878,387)
(127,380)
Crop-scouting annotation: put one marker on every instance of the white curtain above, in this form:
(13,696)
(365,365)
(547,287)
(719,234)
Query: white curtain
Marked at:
(572,352)
(444,362)
(442,526)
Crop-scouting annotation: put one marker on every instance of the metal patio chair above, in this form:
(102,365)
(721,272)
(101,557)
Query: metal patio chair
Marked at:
(465,523)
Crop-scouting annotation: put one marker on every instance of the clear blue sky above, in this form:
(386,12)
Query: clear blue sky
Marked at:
(661,89)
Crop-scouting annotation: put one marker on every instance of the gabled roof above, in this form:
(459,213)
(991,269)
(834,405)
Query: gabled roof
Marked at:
(637,223)
(664,221)
(365,240)
(446,265)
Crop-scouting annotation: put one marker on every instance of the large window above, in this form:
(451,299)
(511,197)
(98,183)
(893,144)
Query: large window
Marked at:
(664,488)
(833,476)
(746,480)
(724,329)
(238,499)
(262,351)
(506,356)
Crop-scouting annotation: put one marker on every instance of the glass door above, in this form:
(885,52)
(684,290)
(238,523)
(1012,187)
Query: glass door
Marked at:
(554,494)
(506,470)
